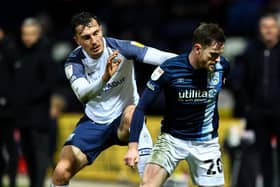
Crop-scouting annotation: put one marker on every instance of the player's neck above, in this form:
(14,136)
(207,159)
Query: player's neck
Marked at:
(193,60)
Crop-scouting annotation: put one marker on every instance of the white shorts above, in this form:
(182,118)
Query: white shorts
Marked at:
(203,157)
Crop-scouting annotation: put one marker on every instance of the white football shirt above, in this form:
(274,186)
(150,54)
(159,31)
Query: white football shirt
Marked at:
(104,102)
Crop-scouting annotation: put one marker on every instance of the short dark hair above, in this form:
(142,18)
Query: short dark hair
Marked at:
(269,15)
(206,33)
(82,18)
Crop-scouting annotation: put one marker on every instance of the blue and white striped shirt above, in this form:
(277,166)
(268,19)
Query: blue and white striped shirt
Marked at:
(191,97)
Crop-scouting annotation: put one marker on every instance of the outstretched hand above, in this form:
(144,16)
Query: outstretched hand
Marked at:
(112,65)
(132,157)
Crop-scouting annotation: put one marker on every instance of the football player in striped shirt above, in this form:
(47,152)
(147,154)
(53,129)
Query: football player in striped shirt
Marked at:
(189,130)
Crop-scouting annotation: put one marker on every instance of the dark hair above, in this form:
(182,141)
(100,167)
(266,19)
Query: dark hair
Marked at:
(82,18)
(206,33)
(269,15)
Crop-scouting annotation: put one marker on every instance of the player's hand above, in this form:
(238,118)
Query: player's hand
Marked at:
(132,156)
(112,65)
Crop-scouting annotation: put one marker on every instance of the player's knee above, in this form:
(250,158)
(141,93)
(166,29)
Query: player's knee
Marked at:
(146,183)
(61,175)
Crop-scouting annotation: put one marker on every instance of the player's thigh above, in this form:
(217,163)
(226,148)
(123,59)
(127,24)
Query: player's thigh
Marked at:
(165,153)
(154,175)
(206,164)
(92,138)
(71,159)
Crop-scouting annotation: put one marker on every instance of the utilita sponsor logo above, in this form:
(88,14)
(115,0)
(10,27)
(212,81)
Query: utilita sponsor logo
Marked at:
(194,94)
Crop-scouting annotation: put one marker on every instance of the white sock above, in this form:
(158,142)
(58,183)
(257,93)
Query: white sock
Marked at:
(144,148)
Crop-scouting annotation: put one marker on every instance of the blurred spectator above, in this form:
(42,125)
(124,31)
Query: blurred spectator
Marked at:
(8,146)
(34,81)
(58,104)
(257,76)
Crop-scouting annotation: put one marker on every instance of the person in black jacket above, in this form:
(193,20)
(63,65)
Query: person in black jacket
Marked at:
(34,81)
(258,90)
(7,128)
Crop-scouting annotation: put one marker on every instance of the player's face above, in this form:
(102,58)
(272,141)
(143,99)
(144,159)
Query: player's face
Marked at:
(210,55)
(30,34)
(90,37)
(269,29)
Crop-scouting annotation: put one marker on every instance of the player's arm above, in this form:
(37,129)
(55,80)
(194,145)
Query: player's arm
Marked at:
(156,57)
(83,89)
(149,95)
(226,69)
(139,52)
(132,156)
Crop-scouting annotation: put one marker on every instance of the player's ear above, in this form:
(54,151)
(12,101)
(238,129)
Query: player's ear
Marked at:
(76,40)
(197,47)
(101,29)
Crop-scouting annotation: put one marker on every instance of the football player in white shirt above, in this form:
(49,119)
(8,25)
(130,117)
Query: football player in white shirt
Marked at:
(101,73)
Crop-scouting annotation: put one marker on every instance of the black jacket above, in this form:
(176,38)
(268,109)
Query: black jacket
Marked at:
(34,81)
(8,55)
(259,84)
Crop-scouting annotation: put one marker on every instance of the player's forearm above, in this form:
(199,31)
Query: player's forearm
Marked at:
(85,90)
(137,121)
(156,57)
(133,145)
(136,125)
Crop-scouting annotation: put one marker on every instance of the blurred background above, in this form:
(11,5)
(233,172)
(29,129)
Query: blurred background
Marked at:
(165,24)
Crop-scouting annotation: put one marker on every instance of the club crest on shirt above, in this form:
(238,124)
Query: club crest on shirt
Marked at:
(157,73)
(213,78)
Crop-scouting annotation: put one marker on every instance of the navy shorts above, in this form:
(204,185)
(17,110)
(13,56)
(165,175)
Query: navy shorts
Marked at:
(92,138)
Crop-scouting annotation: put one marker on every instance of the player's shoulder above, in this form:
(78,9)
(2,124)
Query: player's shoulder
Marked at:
(175,62)
(224,62)
(76,56)
(114,42)
(129,49)
(173,66)
(111,41)
(223,65)
(119,43)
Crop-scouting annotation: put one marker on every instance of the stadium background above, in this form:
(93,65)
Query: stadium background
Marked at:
(163,24)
